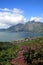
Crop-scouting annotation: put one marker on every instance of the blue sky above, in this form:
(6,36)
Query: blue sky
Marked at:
(32,9)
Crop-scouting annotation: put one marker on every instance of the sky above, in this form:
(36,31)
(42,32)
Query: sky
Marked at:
(13,12)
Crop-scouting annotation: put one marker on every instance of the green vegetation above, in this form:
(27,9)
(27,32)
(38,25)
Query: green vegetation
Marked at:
(8,50)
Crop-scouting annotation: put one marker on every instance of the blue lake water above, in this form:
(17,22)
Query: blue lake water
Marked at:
(9,36)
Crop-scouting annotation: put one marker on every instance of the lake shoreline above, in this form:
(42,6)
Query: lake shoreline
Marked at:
(23,39)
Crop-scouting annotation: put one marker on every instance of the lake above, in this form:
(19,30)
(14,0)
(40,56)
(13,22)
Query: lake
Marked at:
(11,36)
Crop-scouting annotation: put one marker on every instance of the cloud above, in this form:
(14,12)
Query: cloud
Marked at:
(14,10)
(5,9)
(18,11)
(3,25)
(10,17)
(36,19)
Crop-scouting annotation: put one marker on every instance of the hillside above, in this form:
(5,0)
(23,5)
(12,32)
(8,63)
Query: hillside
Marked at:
(22,52)
(33,26)
(16,28)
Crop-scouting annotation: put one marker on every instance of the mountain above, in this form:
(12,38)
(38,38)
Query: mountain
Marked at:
(33,26)
(16,28)
(1,30)
(30,26)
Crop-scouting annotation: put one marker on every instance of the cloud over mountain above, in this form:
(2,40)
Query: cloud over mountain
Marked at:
(14,16)
(36,19)
(11,17)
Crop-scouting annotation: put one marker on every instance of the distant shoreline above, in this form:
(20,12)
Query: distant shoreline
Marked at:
(24,39)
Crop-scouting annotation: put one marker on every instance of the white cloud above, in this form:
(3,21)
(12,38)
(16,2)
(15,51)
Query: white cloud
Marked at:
(18,11)
(11,17)
(5,9)
(36,19)
(3,25)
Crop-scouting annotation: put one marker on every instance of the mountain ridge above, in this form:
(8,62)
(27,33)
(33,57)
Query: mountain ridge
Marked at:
(31,26)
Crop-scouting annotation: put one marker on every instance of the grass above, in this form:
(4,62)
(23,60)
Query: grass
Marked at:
(8,50)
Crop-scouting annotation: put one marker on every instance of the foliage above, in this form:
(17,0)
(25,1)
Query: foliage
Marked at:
(8,50)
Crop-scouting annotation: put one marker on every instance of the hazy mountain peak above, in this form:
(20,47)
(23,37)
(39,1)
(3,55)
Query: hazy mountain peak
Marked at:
(34,21)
